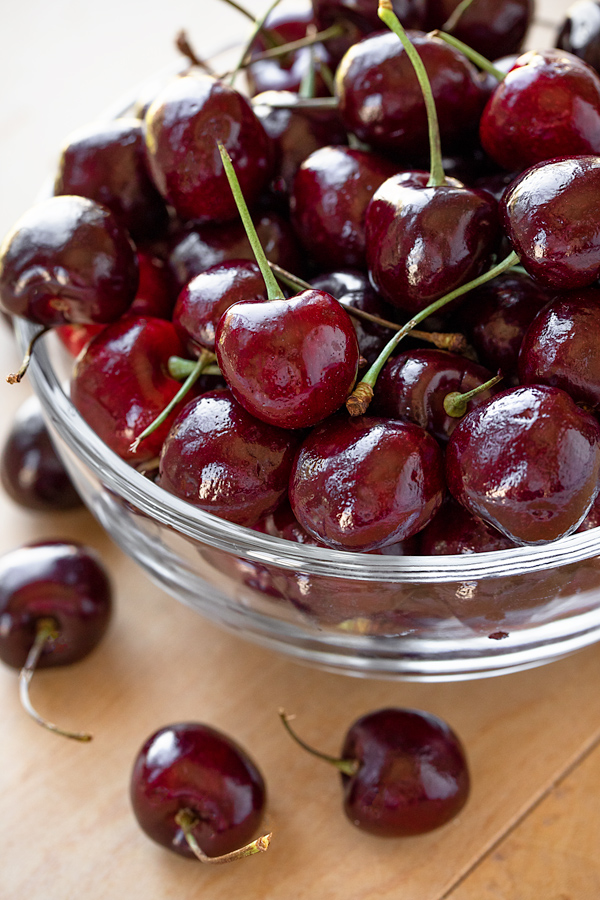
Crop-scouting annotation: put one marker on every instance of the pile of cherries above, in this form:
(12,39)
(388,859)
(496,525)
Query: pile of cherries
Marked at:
(464,200)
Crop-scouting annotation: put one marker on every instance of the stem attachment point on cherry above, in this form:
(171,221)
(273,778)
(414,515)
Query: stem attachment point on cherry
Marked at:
(187,821)
(346,766)
(456,404)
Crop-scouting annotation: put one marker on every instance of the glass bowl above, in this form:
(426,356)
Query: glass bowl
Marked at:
(411,617)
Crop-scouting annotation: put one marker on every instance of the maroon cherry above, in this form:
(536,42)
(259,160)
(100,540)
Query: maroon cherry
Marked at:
(203,301)
(198,793)
(359,18)
(455,530)
(182,128)
(122,383)
(55,606)
(580,32)
(223,460)
(527,462)
(67,260)
(31,471)
(560,347)
(550,214)
(106,162)
(413,386)
(404,772)
(330,194)
(363,483)
(493,28)
(520,127)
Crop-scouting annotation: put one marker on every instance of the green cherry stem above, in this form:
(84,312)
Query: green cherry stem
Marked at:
(46,632)
(316,103)
(205,359)
(308,41)
(476,58)
(455,17)
(258,27)
(389,18)
(346,766)
(274,292)
(18,376)
(187,821)
(456,404)
(452,340)
(358,401)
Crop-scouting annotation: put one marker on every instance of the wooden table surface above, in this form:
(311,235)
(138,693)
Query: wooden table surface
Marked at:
(530,828)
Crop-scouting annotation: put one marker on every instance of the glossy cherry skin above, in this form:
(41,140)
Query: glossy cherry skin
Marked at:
(455,530)
(412,775)
(223,460)
(329,198)
(60,580)
(290,362)
(359,18)
(520,127)
(197,248)
(381,101)
(354,289)
(422,242)
(203,301)
(31,471)
(496,316)
(295,132)
(580,32)
(550,214)
(120,384)
(492,27)
(182,128)
(363,483)
(412,386)
(107,163)
(527,463)
(191,766)
(560,347)
(67,260)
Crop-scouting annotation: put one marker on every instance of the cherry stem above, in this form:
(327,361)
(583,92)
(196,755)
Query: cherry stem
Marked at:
(182,43)
(453,341)
(187,821)
(346,766)
(271,37)
(389,18)
(258,27)
(18,376)
(205,358)
(454,18)
(46,632)
(274,292)
(456,404)
(308,41)
(476,58)
(358,401)
(314,103)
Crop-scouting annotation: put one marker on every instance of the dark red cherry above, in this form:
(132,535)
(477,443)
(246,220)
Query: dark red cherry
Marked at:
(107,163)
(520,127)
(223,460)
(560,347)
(580,32)
(359,18)
(193,769)
(290,362)
(381,101)
(67,260)
(455,530)
(492,27)
(527,462)
(31,471)
(121,384)
(412,386)
(57,580)
(156,294)
(363,483)
(203,301)
(423,242)
(550,214)
(496,316)
(183,126)
(197,248)
(330,194)
(404,772)
(296,132)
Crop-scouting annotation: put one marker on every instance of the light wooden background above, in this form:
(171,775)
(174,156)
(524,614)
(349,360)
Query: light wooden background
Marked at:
(530,828)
